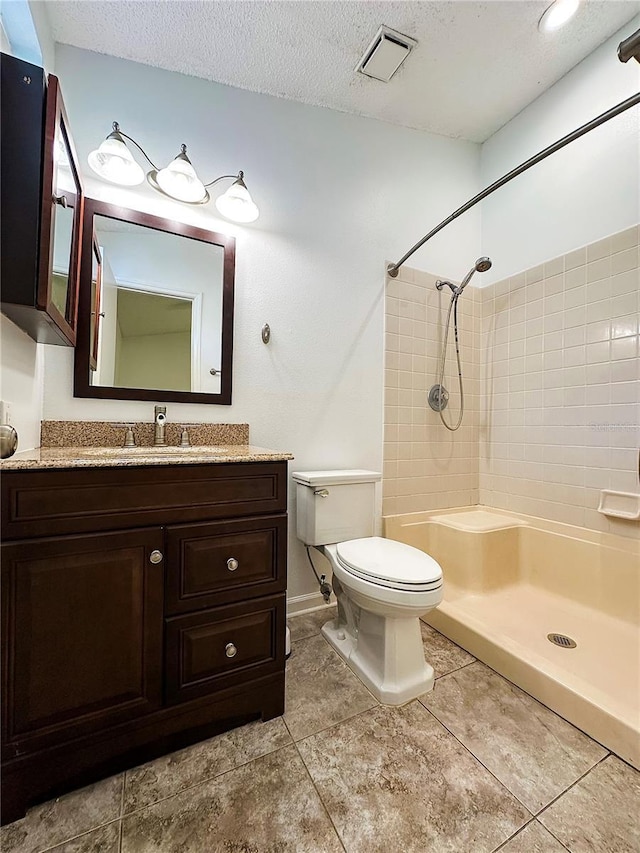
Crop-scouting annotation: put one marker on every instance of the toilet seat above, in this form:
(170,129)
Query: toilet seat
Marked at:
(390,564)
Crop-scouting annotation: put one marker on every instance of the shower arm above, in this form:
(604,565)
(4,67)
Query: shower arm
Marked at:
(634,100)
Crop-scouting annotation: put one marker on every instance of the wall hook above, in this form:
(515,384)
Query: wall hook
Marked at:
(266,333)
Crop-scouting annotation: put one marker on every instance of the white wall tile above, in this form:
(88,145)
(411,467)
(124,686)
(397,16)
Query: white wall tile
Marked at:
(552,388)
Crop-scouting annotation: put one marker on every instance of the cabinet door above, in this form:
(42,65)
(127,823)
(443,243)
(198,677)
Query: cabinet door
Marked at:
(61,223)
(82,635)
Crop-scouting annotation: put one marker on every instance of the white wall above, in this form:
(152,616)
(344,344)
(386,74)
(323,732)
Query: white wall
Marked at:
(339,195)
(21,380)
(588,190)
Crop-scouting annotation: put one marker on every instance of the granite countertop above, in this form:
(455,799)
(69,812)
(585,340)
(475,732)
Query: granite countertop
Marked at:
(112,457)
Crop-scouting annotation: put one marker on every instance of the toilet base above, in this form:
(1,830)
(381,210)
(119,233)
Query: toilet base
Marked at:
(387,656)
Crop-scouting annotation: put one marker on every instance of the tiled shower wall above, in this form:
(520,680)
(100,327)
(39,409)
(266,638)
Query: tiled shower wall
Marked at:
(552,385)
(425,465)
(560,385)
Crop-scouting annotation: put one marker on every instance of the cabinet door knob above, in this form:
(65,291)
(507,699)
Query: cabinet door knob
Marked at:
(155,557)
(230,650)
(232,564)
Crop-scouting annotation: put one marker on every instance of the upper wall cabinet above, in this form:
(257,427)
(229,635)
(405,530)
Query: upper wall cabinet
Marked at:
(41,205)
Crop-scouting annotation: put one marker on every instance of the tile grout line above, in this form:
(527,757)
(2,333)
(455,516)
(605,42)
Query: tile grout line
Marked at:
(74,837)
(445,674)
(324,806)
(542,705)
(207,779)
(535,815)
(481,763)
(572,785)
(502,844)
(522,829)
(124,785)
(337,722)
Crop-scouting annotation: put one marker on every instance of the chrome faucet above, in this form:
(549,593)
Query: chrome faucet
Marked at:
(160,419)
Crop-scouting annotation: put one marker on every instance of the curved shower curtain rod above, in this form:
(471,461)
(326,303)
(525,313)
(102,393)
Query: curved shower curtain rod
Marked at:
(627,49)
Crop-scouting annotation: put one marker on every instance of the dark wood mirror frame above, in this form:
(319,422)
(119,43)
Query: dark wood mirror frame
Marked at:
(83,353)
(56,117)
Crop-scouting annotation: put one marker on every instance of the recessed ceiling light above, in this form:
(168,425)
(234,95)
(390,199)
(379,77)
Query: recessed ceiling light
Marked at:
(557,15)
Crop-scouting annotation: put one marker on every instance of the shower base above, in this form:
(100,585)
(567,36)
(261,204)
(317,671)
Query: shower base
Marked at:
(510,581)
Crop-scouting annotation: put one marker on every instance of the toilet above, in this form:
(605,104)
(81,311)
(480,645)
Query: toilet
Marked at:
(382,586)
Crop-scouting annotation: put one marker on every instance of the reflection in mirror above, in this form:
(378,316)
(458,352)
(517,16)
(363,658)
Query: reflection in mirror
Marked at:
(156,309)
(64,190)
(96,298)
(161,310)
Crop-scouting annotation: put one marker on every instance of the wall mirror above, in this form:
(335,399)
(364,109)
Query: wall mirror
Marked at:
(155,318)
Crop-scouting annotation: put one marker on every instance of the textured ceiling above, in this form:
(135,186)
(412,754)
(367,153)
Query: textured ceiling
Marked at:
(477,64)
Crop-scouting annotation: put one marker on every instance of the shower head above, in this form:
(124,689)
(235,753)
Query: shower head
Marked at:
(481,265)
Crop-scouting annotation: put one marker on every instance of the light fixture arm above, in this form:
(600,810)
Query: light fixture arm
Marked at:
(238,177)
(116,129)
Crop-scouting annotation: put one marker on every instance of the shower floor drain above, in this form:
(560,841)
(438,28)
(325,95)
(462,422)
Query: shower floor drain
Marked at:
(562,640)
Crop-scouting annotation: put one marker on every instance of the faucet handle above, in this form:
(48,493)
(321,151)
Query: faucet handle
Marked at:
(129,437)
(184,438)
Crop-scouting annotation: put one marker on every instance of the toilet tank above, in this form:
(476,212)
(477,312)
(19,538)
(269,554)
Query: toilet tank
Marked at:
(333,506)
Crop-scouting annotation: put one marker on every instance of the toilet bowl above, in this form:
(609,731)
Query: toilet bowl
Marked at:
(382,586)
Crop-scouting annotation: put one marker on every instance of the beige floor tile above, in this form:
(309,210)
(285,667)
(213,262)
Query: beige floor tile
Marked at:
(179,770)
(321,690)
(534,838)
(393,779)
(268,806)
(601,814)
(106,839)
(443,655)
(534,752)
(309,624)
(64,818)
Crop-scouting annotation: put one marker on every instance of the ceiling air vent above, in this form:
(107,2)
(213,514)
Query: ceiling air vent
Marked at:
(385,54)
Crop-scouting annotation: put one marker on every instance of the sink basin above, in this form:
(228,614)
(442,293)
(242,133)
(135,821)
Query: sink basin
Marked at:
(157,452)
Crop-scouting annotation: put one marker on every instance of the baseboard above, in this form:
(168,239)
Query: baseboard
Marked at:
(306,603)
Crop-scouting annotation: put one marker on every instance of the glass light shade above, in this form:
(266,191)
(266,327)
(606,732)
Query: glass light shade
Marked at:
(236,204)
(179,180)
(557,15)
(114,162)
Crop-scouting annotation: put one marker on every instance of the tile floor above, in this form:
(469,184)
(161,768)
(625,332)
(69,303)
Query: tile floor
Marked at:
(476,766)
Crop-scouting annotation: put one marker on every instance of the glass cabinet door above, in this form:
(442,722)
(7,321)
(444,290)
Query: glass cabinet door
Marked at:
(61,219)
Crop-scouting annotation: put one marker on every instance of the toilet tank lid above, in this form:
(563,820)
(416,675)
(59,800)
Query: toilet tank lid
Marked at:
(335,478)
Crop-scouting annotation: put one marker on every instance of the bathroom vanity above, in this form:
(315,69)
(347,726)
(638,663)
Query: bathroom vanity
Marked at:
(143,608)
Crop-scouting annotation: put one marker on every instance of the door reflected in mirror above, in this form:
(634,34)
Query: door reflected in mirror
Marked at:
(161,304)
(159,292)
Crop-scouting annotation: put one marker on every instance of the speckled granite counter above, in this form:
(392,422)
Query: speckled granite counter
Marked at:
(112,457)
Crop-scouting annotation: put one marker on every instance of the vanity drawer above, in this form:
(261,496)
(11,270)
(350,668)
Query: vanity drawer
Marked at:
(216,563)
(223,647)
(39,503)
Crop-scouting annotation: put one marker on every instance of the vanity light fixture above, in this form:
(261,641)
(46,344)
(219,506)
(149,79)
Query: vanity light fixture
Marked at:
(557,15)
(113,161)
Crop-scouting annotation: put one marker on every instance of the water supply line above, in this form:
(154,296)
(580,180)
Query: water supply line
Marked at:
(325,587)
(438,395)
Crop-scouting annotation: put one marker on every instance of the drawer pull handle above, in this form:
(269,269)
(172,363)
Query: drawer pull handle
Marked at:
(232,564)
(155,557)
(230,650)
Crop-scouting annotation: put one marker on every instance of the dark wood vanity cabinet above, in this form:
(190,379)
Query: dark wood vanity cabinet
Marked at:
(41,205)
(143,609)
